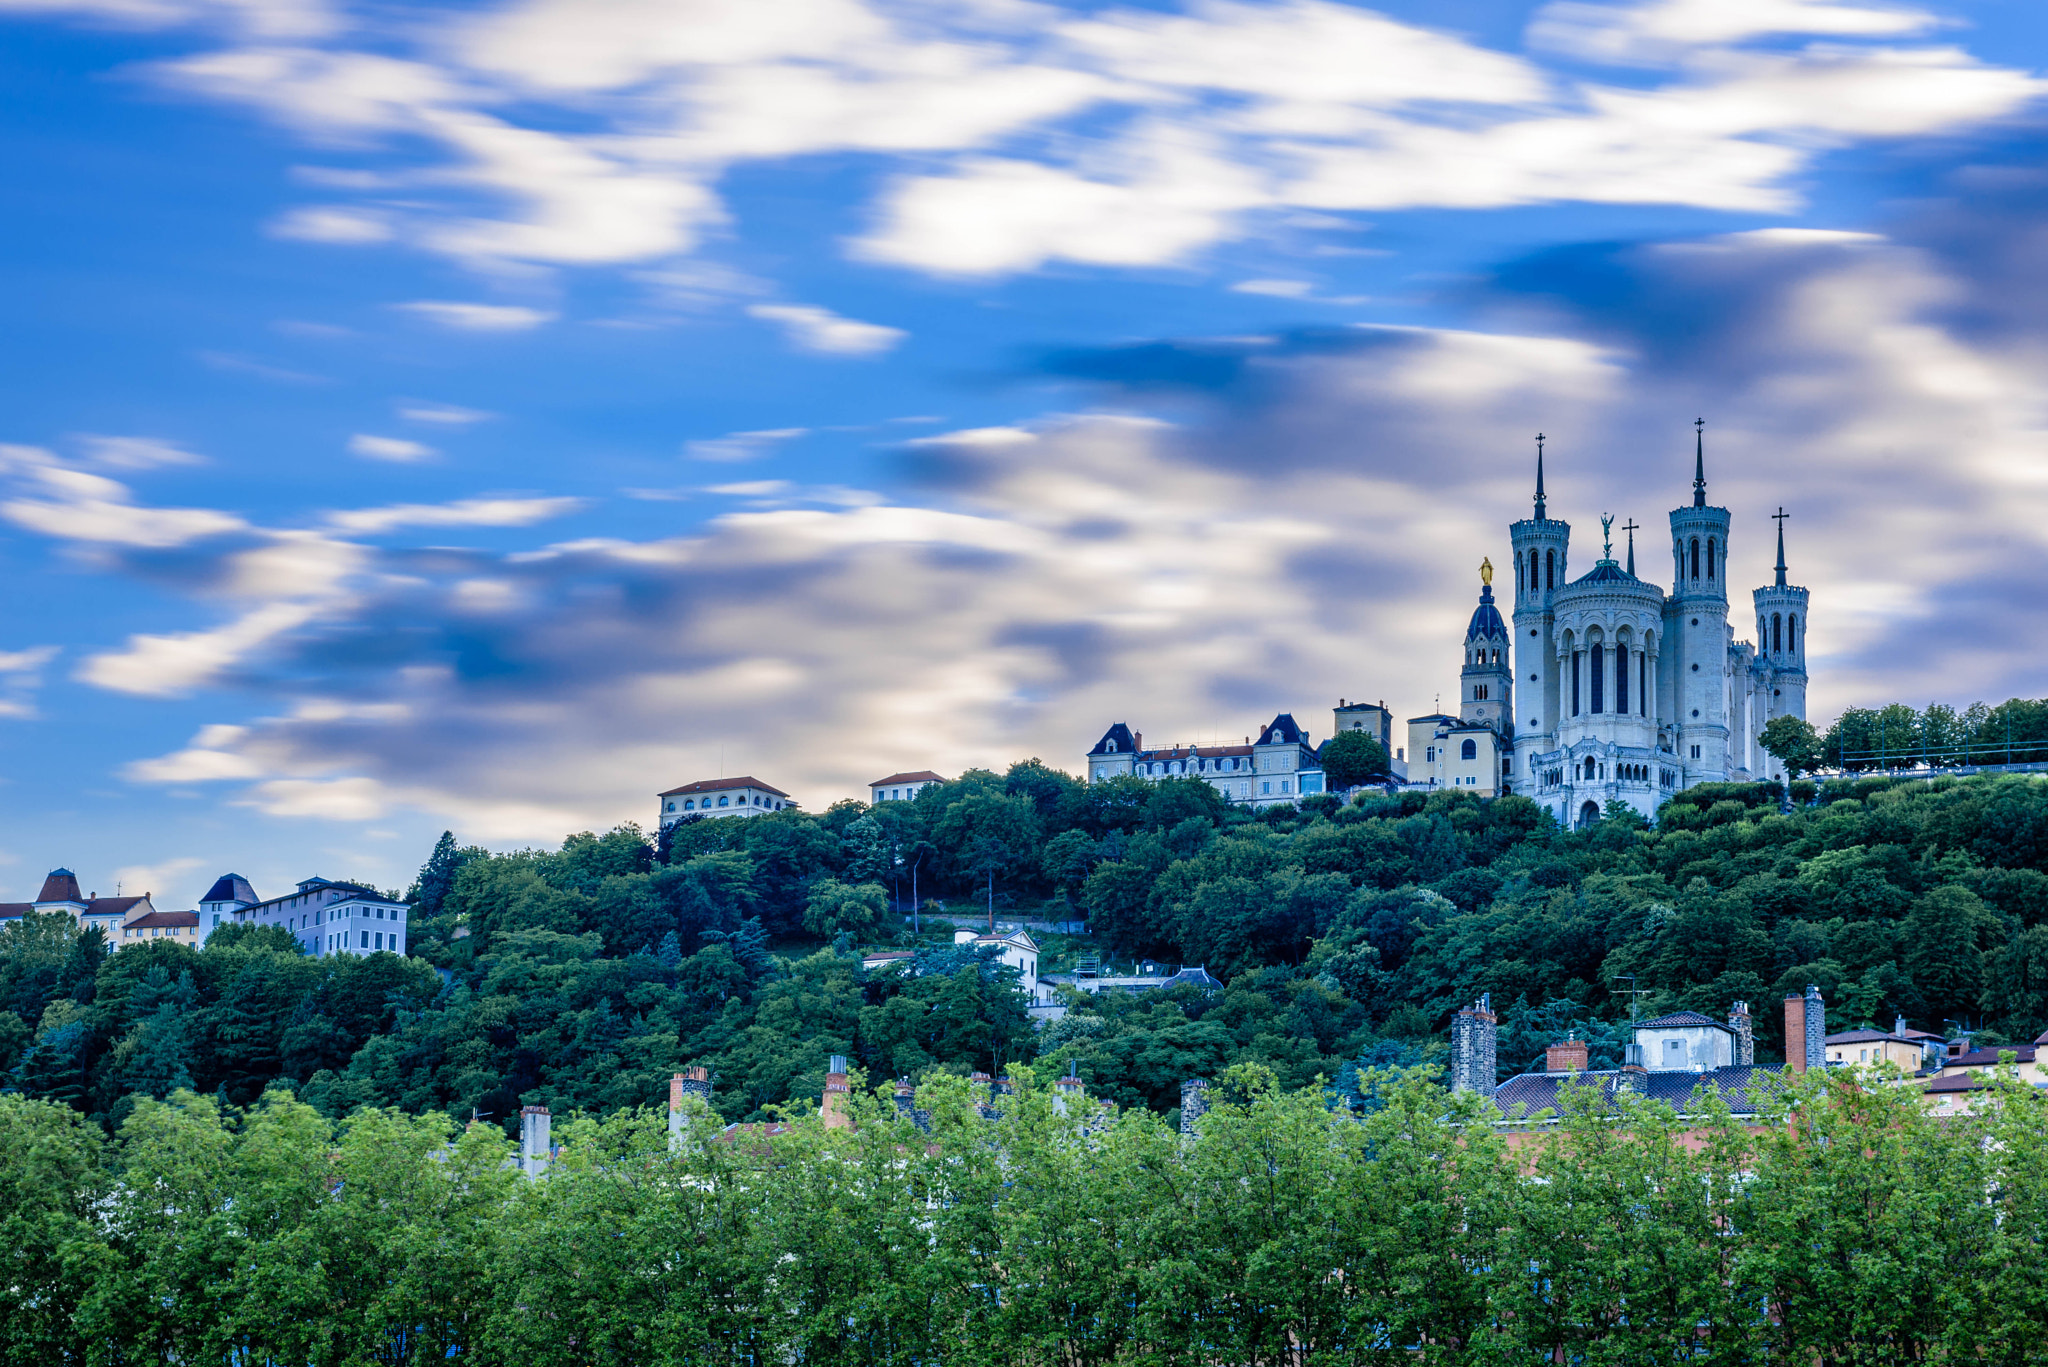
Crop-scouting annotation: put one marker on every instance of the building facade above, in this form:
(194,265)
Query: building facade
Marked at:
(744,796)
(902,787)
(326,917)
(123,921)
(1279,765)
(1622,692)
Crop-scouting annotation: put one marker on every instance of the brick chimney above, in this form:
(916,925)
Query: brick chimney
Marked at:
(1795,1033)
(535,1148)
(1568,1055)
(1194,1103)
(1745,1034)
(690,1082)
(838,1091)
(1475,1035)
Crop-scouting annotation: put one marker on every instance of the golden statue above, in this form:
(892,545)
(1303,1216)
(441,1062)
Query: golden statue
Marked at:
(1486,571)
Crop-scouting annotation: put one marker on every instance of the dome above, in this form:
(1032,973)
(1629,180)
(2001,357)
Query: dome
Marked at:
(1606,572)
(1486,621)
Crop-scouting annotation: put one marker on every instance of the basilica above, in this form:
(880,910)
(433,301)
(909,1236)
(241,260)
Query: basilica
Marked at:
(1607,688)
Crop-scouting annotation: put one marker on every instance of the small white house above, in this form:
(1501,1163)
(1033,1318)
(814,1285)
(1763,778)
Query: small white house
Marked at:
(902,787)
(743,796)
(1018,950)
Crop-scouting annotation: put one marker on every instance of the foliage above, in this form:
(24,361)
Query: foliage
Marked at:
(1351,758)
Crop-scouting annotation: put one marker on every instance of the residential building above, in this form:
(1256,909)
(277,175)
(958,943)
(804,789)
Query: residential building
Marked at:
(326,917)
(1912,1050)
(182,927)
(1017,949)
(901,787)
(713,797)
(1280,766)
(230,892)
(110,915)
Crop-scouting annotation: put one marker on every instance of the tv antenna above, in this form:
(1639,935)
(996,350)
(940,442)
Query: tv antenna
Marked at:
(1633,992)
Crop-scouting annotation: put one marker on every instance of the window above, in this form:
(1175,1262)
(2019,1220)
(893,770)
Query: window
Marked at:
(1621,678)
(690,804)
(1265,787)
(1792,631)
(723,801)
(1549,568)
(1518,569)
(1710,557)
(1469,750)
(1479,692)
(1429,754)
(1695,557)
(366,939)
(1575,682)
(1695,752)
(1599,664)
(1283,785)
(1642,684)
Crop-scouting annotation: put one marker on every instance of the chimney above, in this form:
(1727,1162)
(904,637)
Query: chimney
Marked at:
(1795,1033)
(1745,1034)
(534,1148)
(1194,1103)
(1568,1055)
(1475,1033)
(694,1082)
(837,1093)
(906,1097)
(1068,1091)
(1899,1026)
(1816,1028)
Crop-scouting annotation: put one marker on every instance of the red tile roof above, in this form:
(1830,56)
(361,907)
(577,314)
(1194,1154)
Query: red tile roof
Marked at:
(921,776)
(715,785)
(60,886)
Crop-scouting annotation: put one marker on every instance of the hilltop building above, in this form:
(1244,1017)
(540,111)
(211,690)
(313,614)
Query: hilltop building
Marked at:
(123,920)
(902,787)
(1621,692)
(327,917)
(743,796)
(1280,766)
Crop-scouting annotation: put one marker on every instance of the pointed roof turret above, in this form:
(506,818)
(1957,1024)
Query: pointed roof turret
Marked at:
(1540,517)
(1699,463)
(1779,518)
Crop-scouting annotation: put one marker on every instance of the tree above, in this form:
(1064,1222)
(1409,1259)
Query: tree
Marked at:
(853,907)
(1794,743)
(1352,759)
(437,875)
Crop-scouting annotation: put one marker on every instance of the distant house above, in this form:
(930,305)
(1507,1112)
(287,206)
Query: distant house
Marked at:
(1017,949)
(60,895)
(902,787)
(1912,1050)
(326,917)
(885,958)
(744,796)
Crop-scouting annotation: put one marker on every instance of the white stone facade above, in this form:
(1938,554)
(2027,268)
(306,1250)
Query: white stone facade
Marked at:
(1628,693)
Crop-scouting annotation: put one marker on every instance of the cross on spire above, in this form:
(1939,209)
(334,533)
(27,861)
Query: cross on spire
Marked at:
(1539,478)
(1699,463)
(1631,530)
(1779,518)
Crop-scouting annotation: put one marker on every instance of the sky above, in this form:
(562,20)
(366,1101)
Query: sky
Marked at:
(485,417)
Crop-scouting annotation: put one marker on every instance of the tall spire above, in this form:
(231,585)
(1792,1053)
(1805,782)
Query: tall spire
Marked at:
(1631,530)
(1779,518)
(1540,517)
(1699,463)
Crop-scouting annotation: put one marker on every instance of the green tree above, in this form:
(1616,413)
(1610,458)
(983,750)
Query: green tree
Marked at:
(857,908)
(1794,743)
(1352,759)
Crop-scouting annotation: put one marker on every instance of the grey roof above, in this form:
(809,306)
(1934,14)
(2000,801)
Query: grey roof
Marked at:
(1681,1018)
(230,887)
(1282,730)
(1606,572)
(1121,734)
(1532,1092)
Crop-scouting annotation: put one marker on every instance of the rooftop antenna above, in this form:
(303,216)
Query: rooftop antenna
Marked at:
(1633,992)
(1699,463)
(1779,518)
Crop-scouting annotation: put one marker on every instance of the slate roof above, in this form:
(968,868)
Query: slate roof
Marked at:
(1678,1019)
(1605,572)
(1864,1037)
(1126,743)
(1987,1057)
(231,887)
(921,776)
(1532,1092)
(157,919)
(1486,623)
(716,785)
(1282,730)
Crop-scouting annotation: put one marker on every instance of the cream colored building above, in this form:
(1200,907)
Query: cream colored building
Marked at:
(743,796)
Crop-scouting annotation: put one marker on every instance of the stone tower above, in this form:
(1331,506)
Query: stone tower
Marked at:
(1475,1038)
(1696,629)
(1486,691)
(1780,652)
(1540,544)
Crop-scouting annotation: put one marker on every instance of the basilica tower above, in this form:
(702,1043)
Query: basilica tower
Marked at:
(1540,544)
(1780,654)
(1486,690)
(1695,665)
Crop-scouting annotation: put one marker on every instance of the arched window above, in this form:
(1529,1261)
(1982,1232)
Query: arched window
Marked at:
(1469,750)
(1710,557)
(1695,557)
(1589,814)
(1549,569)
(1792,632)
(1518,570)
(1643,682)
(1621,678)
(1575,682)
(689,804)
(1109,749)
(1777,637)
(1598,661)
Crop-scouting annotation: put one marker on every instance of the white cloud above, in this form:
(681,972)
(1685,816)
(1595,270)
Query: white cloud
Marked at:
(286,19)
(398,450)
(333,223)
(442,414)
(173,663)
(136,453)
(478,317)
(83,507)
(739,446)
(474,512)
(1279,289)
(810,328)
(159,881)
(26,661)
(1663,30)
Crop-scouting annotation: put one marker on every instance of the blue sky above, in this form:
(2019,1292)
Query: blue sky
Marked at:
(486,416)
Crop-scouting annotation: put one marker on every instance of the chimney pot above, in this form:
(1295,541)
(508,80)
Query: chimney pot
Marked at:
(1566,1056)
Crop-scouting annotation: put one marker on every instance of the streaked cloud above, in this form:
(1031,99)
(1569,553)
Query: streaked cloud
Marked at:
(463,317)
(810,328)
(396,450)
(471,512)
(136,453)
(442,414)
(739,446)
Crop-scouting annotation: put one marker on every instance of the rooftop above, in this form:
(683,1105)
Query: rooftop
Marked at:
(921,776)
(1679,1019)
(715,785)
(1532,1092)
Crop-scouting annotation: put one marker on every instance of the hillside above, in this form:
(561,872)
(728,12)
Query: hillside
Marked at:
(583,977)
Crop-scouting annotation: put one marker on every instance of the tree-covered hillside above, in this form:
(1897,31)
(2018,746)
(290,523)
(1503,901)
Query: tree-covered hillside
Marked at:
(583,977)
